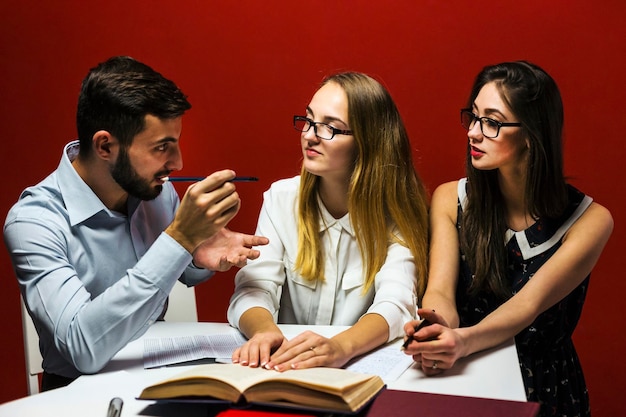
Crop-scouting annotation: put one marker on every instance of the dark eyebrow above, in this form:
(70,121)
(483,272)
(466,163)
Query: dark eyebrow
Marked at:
(327,119)
(491,112)
(167,139)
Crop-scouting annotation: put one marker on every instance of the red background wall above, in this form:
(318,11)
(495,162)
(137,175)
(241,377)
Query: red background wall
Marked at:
(248,66)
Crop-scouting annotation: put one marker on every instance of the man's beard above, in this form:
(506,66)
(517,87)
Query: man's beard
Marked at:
(126,176)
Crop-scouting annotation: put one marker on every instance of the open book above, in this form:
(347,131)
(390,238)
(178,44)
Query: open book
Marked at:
(331,389)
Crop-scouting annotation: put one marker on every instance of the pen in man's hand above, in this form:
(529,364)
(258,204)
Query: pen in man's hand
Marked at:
(115,407)
(196,179)
(408,340)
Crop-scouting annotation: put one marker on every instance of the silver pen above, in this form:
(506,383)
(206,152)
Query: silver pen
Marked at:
(115,407)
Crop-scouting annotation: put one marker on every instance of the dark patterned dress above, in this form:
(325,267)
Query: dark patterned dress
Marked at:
(550,367)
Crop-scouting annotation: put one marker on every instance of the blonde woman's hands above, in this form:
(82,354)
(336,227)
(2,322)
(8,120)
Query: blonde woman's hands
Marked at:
(307,350)
(256,351)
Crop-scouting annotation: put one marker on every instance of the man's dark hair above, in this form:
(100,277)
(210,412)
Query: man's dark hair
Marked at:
(116,96)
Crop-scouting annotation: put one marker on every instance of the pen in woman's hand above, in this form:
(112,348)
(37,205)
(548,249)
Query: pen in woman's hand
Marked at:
(408,340)
(115,407)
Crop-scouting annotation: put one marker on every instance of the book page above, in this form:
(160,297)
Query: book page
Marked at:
(164,351)
(328,388)
(332,380)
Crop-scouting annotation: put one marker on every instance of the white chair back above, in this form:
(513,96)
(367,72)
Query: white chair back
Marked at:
(31,351)
(182,304)
(181,307)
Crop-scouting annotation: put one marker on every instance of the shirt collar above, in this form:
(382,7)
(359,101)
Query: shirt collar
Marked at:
(328,221)
(80,200)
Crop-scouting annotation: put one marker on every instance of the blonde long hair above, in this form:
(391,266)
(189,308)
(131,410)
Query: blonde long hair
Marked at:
(387,200)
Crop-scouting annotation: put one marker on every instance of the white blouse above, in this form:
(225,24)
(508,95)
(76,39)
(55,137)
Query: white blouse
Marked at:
(271,281)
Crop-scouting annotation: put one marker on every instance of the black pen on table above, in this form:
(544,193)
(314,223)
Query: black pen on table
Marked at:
(408,340)
(196,179)
(115,407)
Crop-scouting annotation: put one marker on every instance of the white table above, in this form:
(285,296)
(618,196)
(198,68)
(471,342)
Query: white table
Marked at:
(490,374)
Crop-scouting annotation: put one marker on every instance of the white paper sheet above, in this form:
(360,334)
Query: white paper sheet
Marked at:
(174,350)
(388,362)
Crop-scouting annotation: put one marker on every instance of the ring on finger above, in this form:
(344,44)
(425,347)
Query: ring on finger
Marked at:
(434,365)
(312,349)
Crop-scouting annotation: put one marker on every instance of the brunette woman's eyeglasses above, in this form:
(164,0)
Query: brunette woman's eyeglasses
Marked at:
(489,127)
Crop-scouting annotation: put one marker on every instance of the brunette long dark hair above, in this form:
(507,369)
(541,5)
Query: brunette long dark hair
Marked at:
(534,98)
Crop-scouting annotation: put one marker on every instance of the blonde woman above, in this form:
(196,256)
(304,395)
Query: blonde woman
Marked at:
(348,237)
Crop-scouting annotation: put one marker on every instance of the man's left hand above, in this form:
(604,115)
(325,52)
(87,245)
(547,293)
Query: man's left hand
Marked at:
(227,249)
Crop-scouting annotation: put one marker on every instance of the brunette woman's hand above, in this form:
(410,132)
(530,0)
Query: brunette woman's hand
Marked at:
(434,346)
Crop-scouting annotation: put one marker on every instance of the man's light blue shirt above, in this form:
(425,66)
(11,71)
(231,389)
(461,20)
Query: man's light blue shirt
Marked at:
(93,279)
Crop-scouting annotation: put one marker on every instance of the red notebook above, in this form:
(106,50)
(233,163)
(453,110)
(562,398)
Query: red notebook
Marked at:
(256,413)
(393,403)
